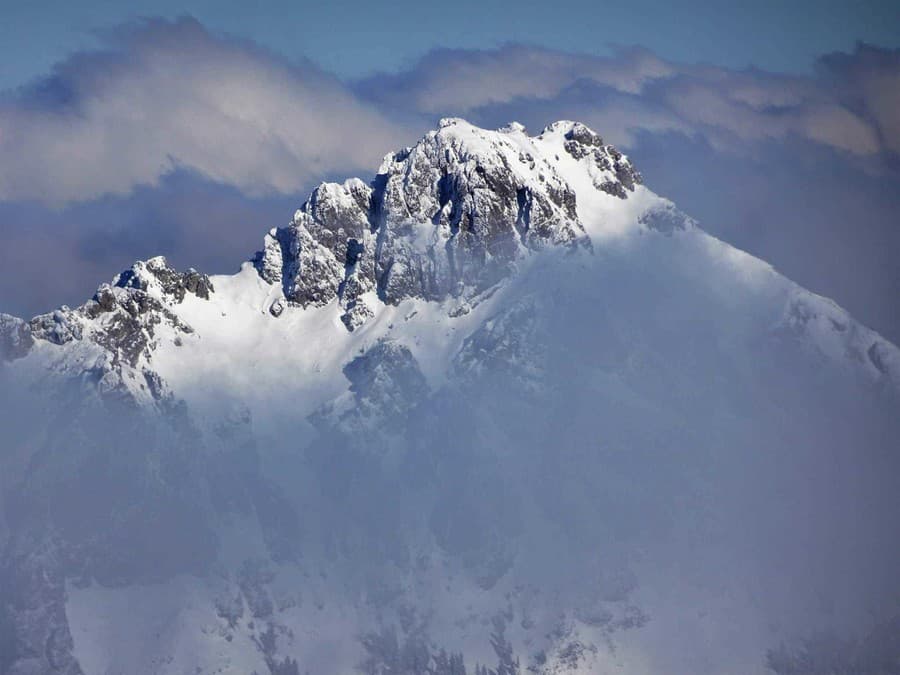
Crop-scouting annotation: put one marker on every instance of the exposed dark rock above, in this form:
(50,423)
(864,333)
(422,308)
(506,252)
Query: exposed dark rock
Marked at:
(127,315)
(614,188)
(386,384)
(172,283)
(583,143)
(448,217)
(582,136)
(59,327)
(666,219)
(130,325)
(386,380)
(197,283)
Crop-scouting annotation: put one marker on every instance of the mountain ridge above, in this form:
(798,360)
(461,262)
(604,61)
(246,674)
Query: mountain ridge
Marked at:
(447,218)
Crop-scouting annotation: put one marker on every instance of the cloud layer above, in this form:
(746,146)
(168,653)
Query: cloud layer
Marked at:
(852,103)
(168,95)
(164,96)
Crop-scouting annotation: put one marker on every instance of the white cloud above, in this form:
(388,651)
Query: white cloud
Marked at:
(167,95)
(851,105)
(170,95)
(462,80)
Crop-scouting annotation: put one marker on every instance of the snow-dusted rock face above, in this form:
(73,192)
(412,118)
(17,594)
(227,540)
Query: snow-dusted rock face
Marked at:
(385,385)
(453,415)
(447,217)
(113,335)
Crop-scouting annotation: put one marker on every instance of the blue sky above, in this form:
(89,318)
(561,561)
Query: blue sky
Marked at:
(356,38)
(124,137)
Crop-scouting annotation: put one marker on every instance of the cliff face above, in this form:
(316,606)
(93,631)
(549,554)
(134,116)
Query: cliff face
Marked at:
(447,217)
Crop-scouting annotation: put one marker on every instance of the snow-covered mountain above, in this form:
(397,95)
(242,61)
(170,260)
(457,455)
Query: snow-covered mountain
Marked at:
(501,400)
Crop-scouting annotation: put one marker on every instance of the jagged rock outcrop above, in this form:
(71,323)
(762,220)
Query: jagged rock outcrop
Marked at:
(118,327)
(666,219)
(59,326)
(613,173)
(385,384)
(447,217)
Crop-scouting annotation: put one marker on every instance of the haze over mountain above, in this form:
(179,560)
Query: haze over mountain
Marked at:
(500,404)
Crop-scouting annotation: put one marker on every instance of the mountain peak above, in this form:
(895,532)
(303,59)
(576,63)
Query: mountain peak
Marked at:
(452,122)
(446,220)
(447,217)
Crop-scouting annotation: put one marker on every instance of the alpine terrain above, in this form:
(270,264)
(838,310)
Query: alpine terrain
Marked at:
(499,409)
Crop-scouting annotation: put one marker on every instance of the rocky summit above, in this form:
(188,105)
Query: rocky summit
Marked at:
(446,218)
